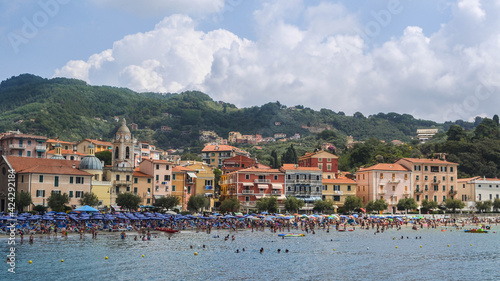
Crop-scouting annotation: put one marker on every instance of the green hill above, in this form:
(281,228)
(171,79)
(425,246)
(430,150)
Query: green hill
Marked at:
(71,110)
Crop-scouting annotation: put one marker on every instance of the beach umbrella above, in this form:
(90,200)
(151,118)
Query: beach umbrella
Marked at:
(86,208)
(264,213)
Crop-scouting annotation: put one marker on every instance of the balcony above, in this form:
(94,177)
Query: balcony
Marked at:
(17,146)
(248,204)
(339,192)
(453,192)
(381,192)
(406,193)
(393,180)
(276,192)
(262,181)
(40,148)
(123,183)
(101,183)
(247,192)
(436,181)
(419,191)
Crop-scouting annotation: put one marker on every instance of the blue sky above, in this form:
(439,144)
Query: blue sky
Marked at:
(435,60)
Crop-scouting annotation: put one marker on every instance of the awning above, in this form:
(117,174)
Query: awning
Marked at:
(159,196)
(191,174)
(277,186)
(263,186)
(247,184)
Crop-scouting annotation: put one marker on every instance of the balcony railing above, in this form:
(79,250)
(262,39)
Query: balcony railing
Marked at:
(17,146)
(248,204)
(419,191)
(40,148)
(247,191)
(381,192)
(393,180)
(262,181)
(453,192)
(123,182)
(275,192)
(339,192)
(101,182)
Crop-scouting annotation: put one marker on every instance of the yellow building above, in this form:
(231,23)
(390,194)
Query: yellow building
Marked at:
(338,190)
(99,145)
(204,181)
(215,154)
(100,187)
(183,185)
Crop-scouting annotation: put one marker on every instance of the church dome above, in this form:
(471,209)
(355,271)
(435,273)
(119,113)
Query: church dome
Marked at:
(90,163)
(123,128)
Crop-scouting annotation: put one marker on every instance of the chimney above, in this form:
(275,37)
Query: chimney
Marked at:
(74,166)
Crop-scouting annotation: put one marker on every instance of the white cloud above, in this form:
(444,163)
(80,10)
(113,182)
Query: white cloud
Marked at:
(298,59)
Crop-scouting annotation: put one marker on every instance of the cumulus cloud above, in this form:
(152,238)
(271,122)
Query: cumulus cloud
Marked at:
(311,55)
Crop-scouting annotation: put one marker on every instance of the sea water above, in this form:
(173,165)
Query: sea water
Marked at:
(358,255)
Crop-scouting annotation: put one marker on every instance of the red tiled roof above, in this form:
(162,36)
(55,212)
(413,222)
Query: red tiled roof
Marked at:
(222,147)
(467,179)
(141,174)
(98,142)
(180,169)
(45,166)
(385,167)
(24,136)
(64,152)
(260,170)
(427,161)
(295,167)
(59,141)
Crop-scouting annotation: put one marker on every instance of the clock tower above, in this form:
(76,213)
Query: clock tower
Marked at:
(123,148)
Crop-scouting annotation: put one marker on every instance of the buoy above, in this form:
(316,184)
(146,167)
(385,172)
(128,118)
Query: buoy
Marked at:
(30,262)
(396,247)
(393,238)
(143,255)
(420,246)
(106,257)
(195,253)
(333,249)
(448,245)
(62,260)
(471,244)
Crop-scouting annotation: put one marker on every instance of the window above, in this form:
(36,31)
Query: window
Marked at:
(325,187)
(426,177)
(149,180)
(164,177)
(56,181)
(491,196)
(128,178)
(479,196)
(173,187)
(247,177)
(426,168)
(157,188)
(127,152)
(149,191)
(135,180)
(435,198)
(426,197)
(417,177)
(157,166)
(79,180)
(40,193)
(40,178)
(320,166)
(213,153)
(381,175)
(436,187)
(329,167)
(444,187)
(247,199)
(406,176)
(117,190)
(157,177)
(444,198)
(418,187)
(393,188)
(70,179)
(128,188)
(336,188)
(418,198)
(336,198)
(434,169)
(78,194)
(148,201)
(426,187)
(173,177)
(348,188)
(320,159)
(71,194)
(29,142)
(393,176)
(189,189)
(28,153)
(444,178)
(20,153)
(22,179)
(56,192)
(166,188)
(117,177)
(451,169)
(317,188)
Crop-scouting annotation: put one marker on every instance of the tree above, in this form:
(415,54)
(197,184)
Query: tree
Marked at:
(167,202)
(456,133)
(483,205)
(290,156)
(292,204)
(197,202)
(496,119)
(454,204)
(487,129)
(40,209)
(269,204)
(23,199)
(428,205)
(128,201)
(370,206)
(407,203)
(104,156)
(230,205)
(321,206)
(351,203)
(380,205)
(89,198)
(496,204)
(191,157)
(274,163)
(57,201)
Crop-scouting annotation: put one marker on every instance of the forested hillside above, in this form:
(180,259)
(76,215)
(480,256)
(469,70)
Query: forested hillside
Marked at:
(72,110)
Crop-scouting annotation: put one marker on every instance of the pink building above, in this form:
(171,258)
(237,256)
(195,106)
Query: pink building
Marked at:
(23,145)
(161,171)
(389,182)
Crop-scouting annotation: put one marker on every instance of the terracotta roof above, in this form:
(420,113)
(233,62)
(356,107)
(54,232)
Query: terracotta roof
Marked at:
(222,147)
(45,166)
(180,169)
(427,161)
(64,152)
(467,179)
(254,169)
(141,174)
(339,180)
(385,167)
(311,154)
(24,136)
(295,167)
(59,141)
(98,142)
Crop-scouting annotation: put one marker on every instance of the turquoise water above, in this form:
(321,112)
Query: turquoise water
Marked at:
(358,255)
